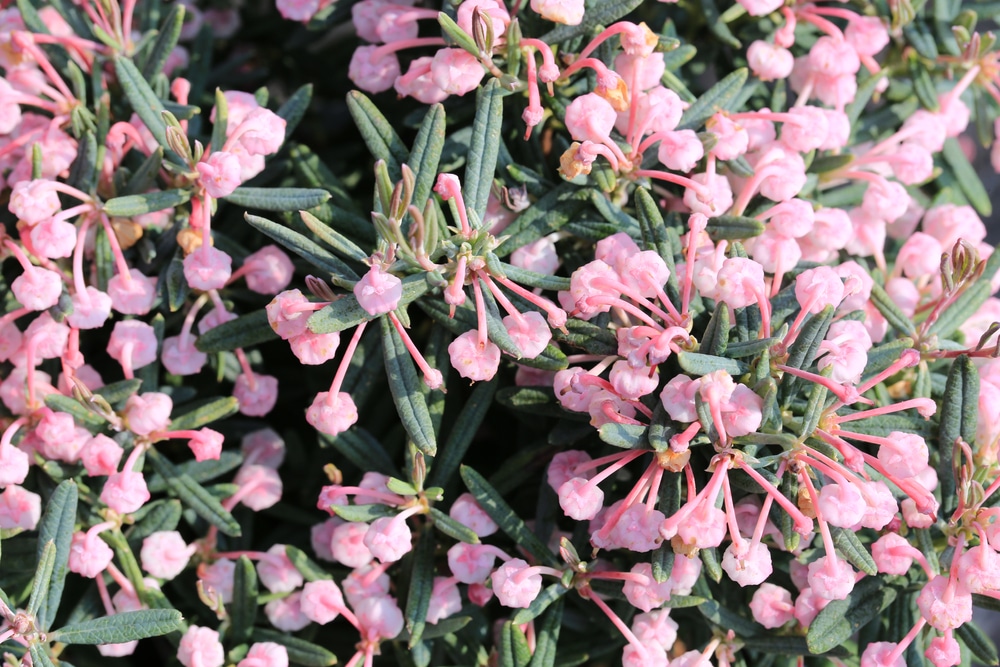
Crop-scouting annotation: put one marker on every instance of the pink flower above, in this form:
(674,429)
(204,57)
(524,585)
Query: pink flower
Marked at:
(831,578)
(262,132)
(372,72)
(220,174)
(841,505)
(288,314)
(389,539)
(769,61)
(89,555)
(380,617)
(530,332)
(332,414)
(132,296)
(445,600)
(760,7)
(945,604)
(944,652)
(347,545)
(125,492)
(516,584)
(265,654)
(467,511)
(149,412)
(101,455)
(37,289)
(200,647)
(268,271)
(285,613)
(208,268)
(418,82)
(646,596)
(260,486)
(34,201)
(296,10)
(590,117)
(471,563)
(182,360)
(322,601)
(680,150)
(90,310)
(19,508)
(13,465)
(772,606)
(456,71)
(880,654)
(867,34)
(748,567)
(164,554)
(53,239)
(277,572)
(258,396)
(580,499)
(218,577)
(378,292)
(567,12)
(473,360)
(206,444)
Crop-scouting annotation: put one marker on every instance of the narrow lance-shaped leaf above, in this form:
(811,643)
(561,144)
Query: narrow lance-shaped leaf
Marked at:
(887,306)
(548,636)
(460,438)
(43,578)
(132,205)
(300,651)
(452,528)
(278,199)
(57,526)
(514,650)
(426,153)
(483,150)
(244,606)
(403,384)
(418,598)
(377,132)
(144,101)
(959,416)
(213,411)
(842,618)
(340,273)
(120,628)
(716,98)
(245,331)
(166,40)
(498,510)
(195,496)
(294,109)
(968,180)
(979,643)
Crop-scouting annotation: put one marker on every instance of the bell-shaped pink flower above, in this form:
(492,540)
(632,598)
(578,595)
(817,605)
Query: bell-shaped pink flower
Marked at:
(37,289)
(260,486)
(268,271)
(769,61)
(125,492)
(831,578)
(206,444)
(265,654)
(165,554)
(178,360)
(373,72)
(332,414)
(200,647)
(530,332)
(90,311)
(945,604)
(379,617)
(220,174)
(257,397)
(322,601)
(472,360)
(378,292)
(467,511)
(456,71)
(89,555)
(53,238)
(389,539)
(580,499)
(772,606)
(208,268)
(277,572)
(133,296)
(590,117)
(516,584)
(149,412)
(347,545)
(567,12)
(649,595)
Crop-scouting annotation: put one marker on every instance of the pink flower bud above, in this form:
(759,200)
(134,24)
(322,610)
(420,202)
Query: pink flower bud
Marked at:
(182,360)
(89,555)
(53,239)
(680,150)
(257,397)
(467,511)
(220,174)
(456,71)
(348,547)
(164,554)
(471,563)
(580,499)
(208,268)
(515,584)
(261,485)
(286,315)
(920,256)
(769,61)
(841,505)
(13,465)
(878,654)
(277,572)
(760,7)
(90,311)
(134,296)
(262,132)
(263,447)
(912,163)
(739,281)
(647,596)
(19,508)
(206,445)
(218,577)
(37,289)
(100,456)
(731,140)
(34,201)
(418,83)
(979,569)
(379,617)
(322,601)
(125,492)
(831,578)
(389,539)
(567,12)
(332,414)
(472,360)
(200,647)
(268,271)
(903,454)
(371,72)
(948,223)
(590,117)
(265,654)
(285,613)
(749,568)
(772,606)
(148,412)
(378,292)
(815,289)
(445,600)
(530,332)
(944,652)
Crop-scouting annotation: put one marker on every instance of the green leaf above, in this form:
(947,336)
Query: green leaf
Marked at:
(132,205)
(464,430)
(166,40)
(165,516)
(481,162)
(734,227)
(532,279)
(775,645)
(549,214)
(406,394)
(245,331)
(308,568)
(656,237)
(356,513)
(626,436)
(80,413)
(887,306)
(842,618)
(199,471)
(117,392)
(803,351)
(459,36)
(959,416)
(56,526)
(418,597)
(194,495)
(300,652)
(426,153)
(330,236)
(221,125)
(144,101)
(122,627)
(967,178)
(598,14)
(340,273)
(729,620)
(542,601)
(979,643)
(848,543)
(377,132)
(717,98)
(43,578)
(362,449)
(345,312)
(959,312)
(514,650)
(502,514)
(243,610)
(174,284)
(547,638)
(278,199)
(294,109)
(703,364)
(717,25)
(39,656)
(452,528)
(715,340)
(215,410)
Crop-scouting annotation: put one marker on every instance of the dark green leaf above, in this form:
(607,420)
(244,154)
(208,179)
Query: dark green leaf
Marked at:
(967,178)
(848,543)
(300,652)
(896,317)
(132,205)
(542,601)
(355,513)
(959,416)
(729,620)
(514,650)
(377,132)
(80,413)
(122,627)
(57,526)
(452,528)
(340,273)
(294,109)
(212,411)
(717,98)
(464,430)
(626,436)
(166,40)
(484,147)
(959,312)
(278,199)
(418,598)
(245,331)
(43,578)
(426,154)
(243,611)
(734,227)
(144,101)
(194,495)
(403,384)
(699,364)
(547,638)
(842,618)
